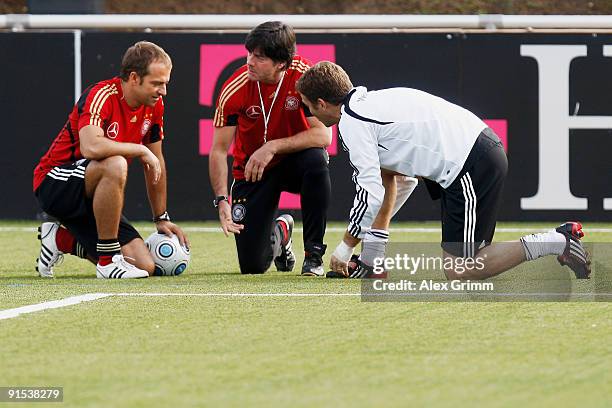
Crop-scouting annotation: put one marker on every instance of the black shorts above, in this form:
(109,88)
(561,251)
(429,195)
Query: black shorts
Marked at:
(62,195)
(471,203)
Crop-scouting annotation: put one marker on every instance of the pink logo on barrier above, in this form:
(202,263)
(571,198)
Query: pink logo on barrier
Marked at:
(214,58)
(500,127)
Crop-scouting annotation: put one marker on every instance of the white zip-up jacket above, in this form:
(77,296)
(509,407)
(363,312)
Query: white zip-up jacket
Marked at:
(404,130)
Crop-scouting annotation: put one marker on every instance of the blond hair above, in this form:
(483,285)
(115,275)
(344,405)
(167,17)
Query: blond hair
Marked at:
(139,56)
(325,80)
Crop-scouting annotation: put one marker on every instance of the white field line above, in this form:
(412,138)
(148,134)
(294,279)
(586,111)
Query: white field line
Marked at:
(54,304)
(330,229)
(75,300)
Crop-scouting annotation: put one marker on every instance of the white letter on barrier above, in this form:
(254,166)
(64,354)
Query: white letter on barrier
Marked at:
(555,122)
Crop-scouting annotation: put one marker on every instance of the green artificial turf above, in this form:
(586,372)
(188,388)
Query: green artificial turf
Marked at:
(204,348)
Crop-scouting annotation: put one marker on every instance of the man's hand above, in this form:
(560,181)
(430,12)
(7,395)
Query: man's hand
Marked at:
(151,163)
(227,223)
(339,266)
(254,168)
(342,255)
(169,228)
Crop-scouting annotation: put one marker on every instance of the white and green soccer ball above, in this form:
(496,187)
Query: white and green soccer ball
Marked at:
(170,257)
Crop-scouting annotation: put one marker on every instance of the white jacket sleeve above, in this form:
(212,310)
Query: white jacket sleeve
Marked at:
(359,140)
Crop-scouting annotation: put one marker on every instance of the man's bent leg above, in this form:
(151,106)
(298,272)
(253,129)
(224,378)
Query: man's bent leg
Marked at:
(134,248)
(254,205)
(62,195)
(469,213)
(137,253)
(84,231)
(491,261)
(307,172)
(105,185)
(563,241)
(310,171)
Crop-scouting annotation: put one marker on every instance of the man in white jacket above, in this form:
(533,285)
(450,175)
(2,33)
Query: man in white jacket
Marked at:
(407,132)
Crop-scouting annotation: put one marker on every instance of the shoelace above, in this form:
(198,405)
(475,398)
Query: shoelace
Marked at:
(58,261)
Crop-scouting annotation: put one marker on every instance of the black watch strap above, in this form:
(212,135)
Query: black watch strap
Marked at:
(218,199)
(162,217)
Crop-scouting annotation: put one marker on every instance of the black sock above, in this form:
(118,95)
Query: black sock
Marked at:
(107,248)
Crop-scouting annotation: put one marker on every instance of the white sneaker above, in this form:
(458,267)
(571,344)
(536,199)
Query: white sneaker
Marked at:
(119,268)
(49,254)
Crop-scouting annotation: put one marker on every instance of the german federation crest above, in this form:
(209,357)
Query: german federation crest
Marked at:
(238,212)
(292,103)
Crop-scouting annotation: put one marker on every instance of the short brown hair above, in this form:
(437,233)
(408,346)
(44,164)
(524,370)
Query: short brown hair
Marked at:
(325,80)
(139,56)
(275,39)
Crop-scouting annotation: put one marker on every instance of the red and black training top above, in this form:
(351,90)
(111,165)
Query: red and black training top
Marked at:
(102,105)
(239,105)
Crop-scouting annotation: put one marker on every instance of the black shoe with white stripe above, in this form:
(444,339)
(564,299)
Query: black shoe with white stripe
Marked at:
(360,270)
(49,254)
(120,269)
(313,259)
(313,264)
(574,255)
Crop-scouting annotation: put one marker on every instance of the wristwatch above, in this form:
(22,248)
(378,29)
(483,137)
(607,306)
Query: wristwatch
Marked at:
(218,199)
(163,217)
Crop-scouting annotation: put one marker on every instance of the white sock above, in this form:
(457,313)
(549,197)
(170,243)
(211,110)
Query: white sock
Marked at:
(542,244)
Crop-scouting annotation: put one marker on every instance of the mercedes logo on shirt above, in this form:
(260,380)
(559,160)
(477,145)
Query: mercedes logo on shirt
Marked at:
(253,111)
(113,130)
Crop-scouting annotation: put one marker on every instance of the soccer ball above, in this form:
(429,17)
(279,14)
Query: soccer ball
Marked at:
(170,257)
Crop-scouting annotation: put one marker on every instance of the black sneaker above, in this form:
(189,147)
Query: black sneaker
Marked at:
(313,264)
(574,255)
(313,259)
(281,242)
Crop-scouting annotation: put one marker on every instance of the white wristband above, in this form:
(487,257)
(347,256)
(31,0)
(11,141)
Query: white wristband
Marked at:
(343,252)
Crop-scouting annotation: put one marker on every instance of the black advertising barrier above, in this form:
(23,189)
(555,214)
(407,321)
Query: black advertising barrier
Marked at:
(546,95)
(36,90)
